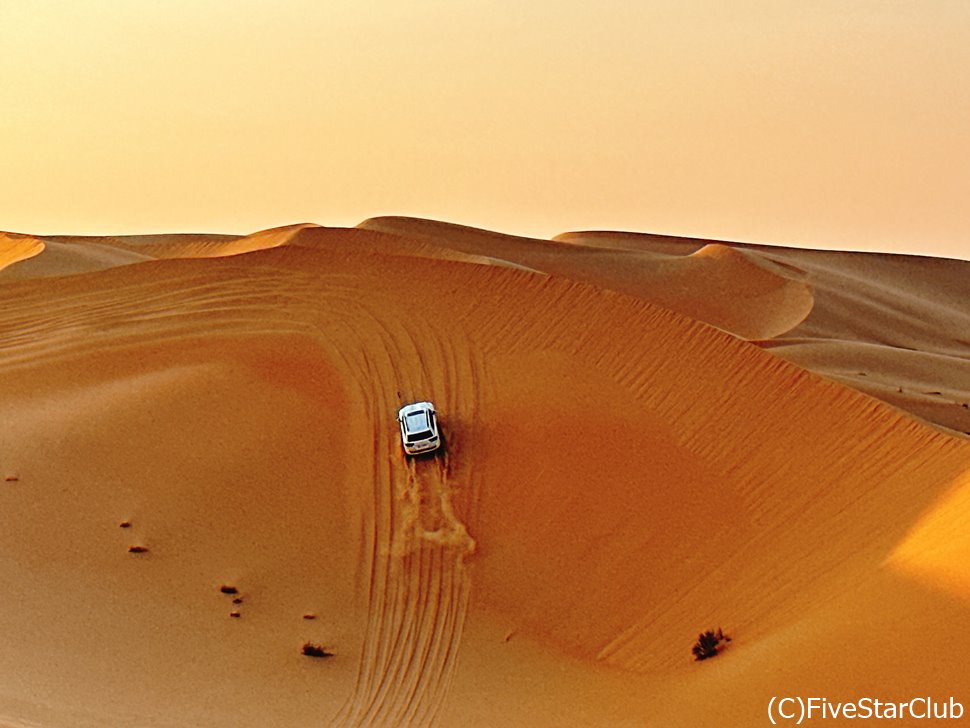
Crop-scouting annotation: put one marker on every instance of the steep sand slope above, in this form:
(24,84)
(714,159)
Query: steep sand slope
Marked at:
(897,327)
(618,478)
(893,326)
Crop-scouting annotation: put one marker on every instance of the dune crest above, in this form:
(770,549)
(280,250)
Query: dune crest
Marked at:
(734,290)
(642,242)
(362,240)
(56,258)
(218,246)
(15,248)
(750,298)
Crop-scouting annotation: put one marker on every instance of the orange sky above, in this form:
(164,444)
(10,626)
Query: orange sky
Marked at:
(822,124)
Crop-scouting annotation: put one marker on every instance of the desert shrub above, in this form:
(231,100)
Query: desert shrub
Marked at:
(312,650)
(708,644)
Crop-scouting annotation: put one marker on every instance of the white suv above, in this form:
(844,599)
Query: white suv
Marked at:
(419,428)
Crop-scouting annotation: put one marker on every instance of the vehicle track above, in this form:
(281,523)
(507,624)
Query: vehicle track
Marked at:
(418,586)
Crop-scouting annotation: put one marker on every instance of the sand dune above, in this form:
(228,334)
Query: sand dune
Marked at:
(359,240)
(150,245)
(893,326)
(619,476)
(219,246)
(16,248)
(57,259)
(718,285)
(59,255)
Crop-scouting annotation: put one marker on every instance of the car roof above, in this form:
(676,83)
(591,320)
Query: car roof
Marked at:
(415,407)
(417,421)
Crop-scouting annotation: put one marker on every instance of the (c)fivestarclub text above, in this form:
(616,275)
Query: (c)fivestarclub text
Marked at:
(796,709)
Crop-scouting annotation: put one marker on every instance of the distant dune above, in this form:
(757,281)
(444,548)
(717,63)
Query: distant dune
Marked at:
(716,284)
(647,437)
(893,326)
(17,248)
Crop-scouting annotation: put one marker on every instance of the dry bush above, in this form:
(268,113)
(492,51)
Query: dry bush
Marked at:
(312,650)
(709,644)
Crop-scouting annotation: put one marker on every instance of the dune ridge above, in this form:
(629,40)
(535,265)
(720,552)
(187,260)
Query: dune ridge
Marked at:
(16,248)
(718,286)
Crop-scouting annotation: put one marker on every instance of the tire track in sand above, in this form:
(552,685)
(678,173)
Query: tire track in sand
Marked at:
(417,585)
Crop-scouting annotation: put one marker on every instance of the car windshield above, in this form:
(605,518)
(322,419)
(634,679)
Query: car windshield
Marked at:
(416,436)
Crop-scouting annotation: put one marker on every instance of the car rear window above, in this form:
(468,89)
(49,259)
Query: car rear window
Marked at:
(416,436)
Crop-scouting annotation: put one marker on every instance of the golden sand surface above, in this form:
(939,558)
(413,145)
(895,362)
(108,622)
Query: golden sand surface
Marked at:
(647,437)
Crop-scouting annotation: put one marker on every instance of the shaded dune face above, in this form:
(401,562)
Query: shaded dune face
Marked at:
(618,477)
(70,255)
(892,326)
(171,245)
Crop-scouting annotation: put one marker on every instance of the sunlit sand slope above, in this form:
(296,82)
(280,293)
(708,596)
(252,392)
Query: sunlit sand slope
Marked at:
(618,477)
(16,248)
